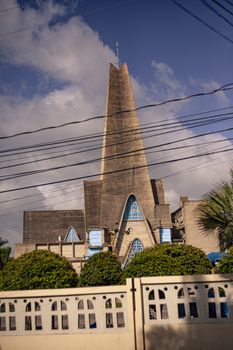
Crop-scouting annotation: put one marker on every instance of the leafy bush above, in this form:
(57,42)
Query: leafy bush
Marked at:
(167,260)
(101,269)
(226,264)
(37,270)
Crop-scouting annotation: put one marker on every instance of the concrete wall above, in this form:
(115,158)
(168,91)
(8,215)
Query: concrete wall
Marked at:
(144,314)
(73,251)
(185,221)
(194,235)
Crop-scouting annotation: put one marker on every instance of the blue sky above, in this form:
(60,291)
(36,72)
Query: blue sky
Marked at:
(54,67)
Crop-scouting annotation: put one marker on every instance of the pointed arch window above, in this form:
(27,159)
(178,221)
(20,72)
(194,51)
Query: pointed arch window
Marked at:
(72,235)
(136,248)
(132,210)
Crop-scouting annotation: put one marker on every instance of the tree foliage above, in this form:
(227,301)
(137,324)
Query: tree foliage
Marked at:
(226,264)
(37,270)
(167,260)
(101,269)
(4,253)
(216,212)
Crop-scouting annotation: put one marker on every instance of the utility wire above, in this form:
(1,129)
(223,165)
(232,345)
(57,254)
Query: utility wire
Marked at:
(224,87)
(211,8)
(202,21)
(129,153)
(75,141)
(228,2)
(88,137)
(223,7)
(77,152)
(115,171)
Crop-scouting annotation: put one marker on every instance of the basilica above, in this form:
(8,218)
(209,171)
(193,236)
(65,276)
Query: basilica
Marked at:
(124,210)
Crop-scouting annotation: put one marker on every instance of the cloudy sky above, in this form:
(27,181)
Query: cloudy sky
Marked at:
(54,68)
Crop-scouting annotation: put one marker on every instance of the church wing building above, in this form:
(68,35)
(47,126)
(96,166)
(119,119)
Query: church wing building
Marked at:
(124,208)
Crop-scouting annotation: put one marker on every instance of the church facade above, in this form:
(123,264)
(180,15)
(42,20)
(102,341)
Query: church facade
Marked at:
(124,210)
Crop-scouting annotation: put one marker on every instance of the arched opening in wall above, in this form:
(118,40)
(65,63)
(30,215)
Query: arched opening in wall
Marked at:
(33,319)
(86,314)
(72,235)
(136,247)
(59,317)
(132,210)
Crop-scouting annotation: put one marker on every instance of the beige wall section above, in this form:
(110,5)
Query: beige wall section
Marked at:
(129,231)
(193,234)
(185,221)
(22,248)
(73,251)
(111,341)
(146,326)
(190,337)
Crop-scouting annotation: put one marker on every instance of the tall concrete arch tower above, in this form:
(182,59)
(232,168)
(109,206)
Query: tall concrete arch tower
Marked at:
(125,198)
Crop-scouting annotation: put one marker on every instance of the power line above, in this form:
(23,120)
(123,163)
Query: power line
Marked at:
(228,2)
(223,7)
(96,148)
(224,87)
(130,153)
(211,8)
(202,21)
(114,171)
(88,137)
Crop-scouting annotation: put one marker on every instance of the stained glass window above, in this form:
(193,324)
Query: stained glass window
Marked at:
(136,247)
(132,211)
(72,236)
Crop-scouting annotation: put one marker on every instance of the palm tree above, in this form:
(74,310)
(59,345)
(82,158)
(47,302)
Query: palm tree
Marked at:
(216,212)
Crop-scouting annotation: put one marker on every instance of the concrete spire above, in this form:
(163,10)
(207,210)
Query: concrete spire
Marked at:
(122,135)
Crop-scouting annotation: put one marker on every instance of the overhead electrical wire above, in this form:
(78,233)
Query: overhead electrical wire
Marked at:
(223,7)
(88,137)
(39,171)
(211,8)
(202,21)
(228,2)
(114,171)
(186,123)
(77,152)
(225,87)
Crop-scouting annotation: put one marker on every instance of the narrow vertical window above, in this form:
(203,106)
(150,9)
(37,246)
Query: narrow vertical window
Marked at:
(224,310)
(38,323)
(120,320)
(28,323)
(163,311)
(92,321)
(193,310)
(2,323)
(64,322)
(152,312)
(81,321)
(212,310)
(54,324)
(12,323)
(109,320)
(181,311)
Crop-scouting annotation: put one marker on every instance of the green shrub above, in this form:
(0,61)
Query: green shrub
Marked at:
(226,264)
(167,260)
(101,269)
(38,270)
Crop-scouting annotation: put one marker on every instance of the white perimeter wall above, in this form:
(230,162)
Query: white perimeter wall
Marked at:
(178,312)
